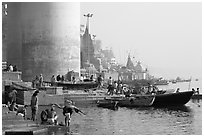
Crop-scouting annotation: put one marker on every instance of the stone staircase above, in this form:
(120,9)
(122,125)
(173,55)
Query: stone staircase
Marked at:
(13,124)
(23,85)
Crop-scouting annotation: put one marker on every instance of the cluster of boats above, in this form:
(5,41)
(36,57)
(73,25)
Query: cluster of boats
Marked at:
(167,99)
(159,98)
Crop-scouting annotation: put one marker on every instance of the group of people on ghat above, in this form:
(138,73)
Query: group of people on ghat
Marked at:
(196,91)
(38,81)
(117,87)
(11,68)
(73,79)
(53,80)
(11,97)
(48,116)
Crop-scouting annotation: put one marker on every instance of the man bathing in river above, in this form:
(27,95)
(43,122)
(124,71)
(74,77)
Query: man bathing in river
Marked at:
(68,109)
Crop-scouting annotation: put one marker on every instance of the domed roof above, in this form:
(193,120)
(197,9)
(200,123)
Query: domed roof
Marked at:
(138,67)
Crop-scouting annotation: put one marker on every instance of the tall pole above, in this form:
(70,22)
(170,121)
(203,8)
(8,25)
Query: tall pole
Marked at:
(87,26)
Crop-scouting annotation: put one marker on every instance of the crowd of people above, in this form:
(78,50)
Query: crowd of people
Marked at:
(38,81)
(11,68)
(48,116)
(59,78)
(117,87)
(197,91)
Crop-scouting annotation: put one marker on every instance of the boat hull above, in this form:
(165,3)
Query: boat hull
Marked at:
(108,104)
(172,99)
(77,86)
(136,101)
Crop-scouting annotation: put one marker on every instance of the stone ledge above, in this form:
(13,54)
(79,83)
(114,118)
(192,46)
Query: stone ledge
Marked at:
(27,131)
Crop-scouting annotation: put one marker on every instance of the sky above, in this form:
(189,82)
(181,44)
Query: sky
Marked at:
(165,37)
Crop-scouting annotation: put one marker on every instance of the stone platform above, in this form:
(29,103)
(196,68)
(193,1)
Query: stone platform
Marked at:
(13,124)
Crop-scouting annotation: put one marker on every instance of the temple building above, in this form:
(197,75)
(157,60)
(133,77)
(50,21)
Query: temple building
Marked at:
(87,50)
(131,72)
(140,72)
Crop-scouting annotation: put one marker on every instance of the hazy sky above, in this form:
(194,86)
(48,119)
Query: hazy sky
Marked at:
(165,37)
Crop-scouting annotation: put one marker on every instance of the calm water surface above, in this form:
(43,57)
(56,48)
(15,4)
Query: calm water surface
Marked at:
(185,120)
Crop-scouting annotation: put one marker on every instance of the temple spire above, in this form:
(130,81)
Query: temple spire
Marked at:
(129,63)
(87,22)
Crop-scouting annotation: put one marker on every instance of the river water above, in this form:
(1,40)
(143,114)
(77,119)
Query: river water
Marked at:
(185,120)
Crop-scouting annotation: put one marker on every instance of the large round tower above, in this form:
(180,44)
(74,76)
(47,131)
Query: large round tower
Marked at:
(49,37)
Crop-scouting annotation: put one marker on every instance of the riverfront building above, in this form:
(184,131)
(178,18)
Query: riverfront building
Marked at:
(41,38)
(131,72)
(93,59)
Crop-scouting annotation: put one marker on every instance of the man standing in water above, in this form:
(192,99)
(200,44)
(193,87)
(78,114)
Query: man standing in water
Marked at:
(68,109)
(34,105)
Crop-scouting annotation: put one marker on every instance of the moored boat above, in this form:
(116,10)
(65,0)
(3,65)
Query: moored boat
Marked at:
(107,103)
(137,101)
(174,82)
(161,82)
(197,96)
(75,86)
(173,99)
(134,101)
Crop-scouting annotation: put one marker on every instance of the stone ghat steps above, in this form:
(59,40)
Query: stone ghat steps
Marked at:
(22,85)
(13,124)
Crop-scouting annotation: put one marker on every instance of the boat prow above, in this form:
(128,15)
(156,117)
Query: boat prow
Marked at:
(173,99)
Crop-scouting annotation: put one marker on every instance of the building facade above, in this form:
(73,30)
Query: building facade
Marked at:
(131,72)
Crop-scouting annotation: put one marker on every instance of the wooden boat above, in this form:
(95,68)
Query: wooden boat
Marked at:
(107,103)
(137,101)
(172,99)
(161,82)
(75,86)
(134,101)
(78,86)
(174,82)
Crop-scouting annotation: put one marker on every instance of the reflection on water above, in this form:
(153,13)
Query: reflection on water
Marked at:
(135,121)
